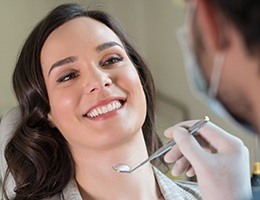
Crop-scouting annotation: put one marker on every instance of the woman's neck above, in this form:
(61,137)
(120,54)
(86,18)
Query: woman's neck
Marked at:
(97,179)
(139,185)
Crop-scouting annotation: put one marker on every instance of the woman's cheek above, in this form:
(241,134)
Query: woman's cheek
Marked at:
(131,78)
(63,103)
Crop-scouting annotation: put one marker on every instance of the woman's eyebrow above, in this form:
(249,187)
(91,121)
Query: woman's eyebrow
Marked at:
(107,45)
(64,61)
(73,59)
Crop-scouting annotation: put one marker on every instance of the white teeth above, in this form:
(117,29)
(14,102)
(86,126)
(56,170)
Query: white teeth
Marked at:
(109,107)
(104,109)
(99,111)
(95,113)
(114,105)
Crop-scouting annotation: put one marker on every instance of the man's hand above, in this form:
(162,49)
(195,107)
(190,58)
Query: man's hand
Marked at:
(218,159)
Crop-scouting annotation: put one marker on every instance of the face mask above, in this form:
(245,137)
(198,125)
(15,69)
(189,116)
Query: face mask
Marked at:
(197,82)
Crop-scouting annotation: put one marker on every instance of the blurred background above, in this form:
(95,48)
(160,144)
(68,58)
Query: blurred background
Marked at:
(151,24)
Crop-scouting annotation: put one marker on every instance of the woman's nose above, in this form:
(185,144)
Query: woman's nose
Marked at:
(97,81)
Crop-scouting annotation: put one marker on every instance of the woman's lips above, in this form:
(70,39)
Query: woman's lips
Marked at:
(104,108)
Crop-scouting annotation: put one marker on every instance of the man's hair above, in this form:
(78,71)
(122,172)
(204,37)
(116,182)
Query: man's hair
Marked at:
(245,15)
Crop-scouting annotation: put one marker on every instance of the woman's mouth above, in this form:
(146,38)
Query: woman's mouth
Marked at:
(104,109)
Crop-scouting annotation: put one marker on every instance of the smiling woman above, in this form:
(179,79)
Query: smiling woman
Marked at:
(87,102)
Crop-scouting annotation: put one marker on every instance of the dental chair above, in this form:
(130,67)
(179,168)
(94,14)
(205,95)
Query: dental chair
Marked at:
(7,126)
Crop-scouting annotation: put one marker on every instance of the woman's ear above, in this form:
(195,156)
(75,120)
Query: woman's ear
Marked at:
(212,25)
(51,124)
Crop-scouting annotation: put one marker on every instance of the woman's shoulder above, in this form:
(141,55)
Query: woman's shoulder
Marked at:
(172,189)
(191,188)
(69,192)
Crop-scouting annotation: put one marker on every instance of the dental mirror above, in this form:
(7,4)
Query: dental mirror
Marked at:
(123,168)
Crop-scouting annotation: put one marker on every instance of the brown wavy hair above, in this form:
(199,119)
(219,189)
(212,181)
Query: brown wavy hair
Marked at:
(37,155)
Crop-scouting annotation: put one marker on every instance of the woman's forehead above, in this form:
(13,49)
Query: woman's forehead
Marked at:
(83,29)
(82,32)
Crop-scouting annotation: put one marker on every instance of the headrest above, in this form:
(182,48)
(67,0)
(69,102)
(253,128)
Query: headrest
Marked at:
(7,126)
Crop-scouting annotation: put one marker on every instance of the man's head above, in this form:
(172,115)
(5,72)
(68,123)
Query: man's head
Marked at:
(232,29)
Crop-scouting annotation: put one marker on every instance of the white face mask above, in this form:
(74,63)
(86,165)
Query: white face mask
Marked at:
(197,81)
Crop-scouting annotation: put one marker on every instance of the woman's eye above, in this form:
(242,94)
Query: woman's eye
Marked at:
(112,61)
(67,77)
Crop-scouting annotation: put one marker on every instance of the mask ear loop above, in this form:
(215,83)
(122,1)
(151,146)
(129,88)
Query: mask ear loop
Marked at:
(216,74)
(219,57)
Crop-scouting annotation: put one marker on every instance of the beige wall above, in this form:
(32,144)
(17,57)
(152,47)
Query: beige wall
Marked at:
(151,24)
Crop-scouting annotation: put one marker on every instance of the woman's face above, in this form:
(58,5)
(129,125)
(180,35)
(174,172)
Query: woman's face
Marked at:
(95,94)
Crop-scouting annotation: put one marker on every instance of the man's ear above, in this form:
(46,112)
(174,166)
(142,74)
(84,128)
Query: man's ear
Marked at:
(212,24)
